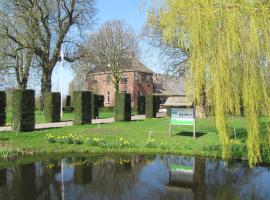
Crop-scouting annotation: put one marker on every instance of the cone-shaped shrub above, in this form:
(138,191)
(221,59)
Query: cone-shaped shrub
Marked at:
(23,110)
(122,107)
(151,106)
(82,107)
(52,106)
(141,105)
(3,105)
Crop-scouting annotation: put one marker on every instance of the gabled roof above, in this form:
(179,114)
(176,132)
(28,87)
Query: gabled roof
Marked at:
(138,66)
(178,102)
(133,65)
(169,85)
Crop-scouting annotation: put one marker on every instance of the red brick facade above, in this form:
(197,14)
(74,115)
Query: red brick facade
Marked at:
(133,82)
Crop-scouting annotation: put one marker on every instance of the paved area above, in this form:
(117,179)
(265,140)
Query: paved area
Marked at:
(70,123)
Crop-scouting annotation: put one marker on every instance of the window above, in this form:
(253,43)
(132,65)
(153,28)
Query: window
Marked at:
(108,97)
(124,79)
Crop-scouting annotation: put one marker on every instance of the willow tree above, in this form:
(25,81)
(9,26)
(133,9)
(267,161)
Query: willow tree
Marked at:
(228,42)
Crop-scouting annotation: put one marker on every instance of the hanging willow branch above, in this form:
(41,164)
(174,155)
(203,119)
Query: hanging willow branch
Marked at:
(228,41)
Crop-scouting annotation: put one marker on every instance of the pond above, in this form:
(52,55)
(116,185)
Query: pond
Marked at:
(137,177)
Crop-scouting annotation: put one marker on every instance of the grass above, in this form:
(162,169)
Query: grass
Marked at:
(206,144)
(66,116)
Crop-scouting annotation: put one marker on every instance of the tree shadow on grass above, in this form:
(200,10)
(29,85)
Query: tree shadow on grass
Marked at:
(49,128)
(189,134)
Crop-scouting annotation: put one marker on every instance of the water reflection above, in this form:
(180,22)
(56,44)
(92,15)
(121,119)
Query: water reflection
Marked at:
(134,177)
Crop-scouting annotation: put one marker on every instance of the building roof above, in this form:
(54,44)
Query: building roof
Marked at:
(138,66)
(179,101)
(169,85)
(134,65)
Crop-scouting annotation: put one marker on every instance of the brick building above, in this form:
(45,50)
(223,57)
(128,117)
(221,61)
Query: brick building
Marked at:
(137,80)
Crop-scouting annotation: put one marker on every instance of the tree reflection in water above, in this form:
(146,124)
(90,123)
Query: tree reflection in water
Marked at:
(134,177)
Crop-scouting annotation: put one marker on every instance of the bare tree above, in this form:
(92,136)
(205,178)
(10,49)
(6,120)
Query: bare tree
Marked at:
(110,49)
(15,59)
(50,25)
(172,54)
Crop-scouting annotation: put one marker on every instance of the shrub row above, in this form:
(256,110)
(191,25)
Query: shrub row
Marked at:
(68,101)
(52,106)
(23,110)
(141,105)
(151,106)
(3,105)
(122,107)
(82,107)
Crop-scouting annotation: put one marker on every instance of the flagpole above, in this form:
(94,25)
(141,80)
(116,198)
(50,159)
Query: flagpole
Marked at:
(61,82)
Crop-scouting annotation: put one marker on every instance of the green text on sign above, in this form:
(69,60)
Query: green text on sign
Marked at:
(182,121)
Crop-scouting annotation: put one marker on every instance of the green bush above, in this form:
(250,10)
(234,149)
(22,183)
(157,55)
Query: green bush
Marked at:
(3,105)
(82,107)
(100,101)
(68,101)
(95,106)
(23,110)
(122,107)
(141,105)
(52,106)
(151,106)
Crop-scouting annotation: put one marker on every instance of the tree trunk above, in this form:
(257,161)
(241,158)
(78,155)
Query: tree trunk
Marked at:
(46,83)
(201,113)
(116,85)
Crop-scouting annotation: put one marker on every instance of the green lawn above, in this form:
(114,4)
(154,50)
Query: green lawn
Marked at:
(206,144)
(66,116)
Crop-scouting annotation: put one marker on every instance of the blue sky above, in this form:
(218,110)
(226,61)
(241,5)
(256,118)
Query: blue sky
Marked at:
(134,13)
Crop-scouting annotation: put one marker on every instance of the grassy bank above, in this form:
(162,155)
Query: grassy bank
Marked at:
(148,136)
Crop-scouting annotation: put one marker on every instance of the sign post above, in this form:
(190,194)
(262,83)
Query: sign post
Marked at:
(183,116)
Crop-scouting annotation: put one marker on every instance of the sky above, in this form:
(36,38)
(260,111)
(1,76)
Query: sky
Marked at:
(134,13)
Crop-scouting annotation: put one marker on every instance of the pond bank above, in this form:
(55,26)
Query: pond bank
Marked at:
(143,137)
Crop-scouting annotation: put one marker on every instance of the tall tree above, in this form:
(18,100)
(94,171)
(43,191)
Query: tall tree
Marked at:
(110,49)
(174,58)
(15,59)
(49,26)
(228,43)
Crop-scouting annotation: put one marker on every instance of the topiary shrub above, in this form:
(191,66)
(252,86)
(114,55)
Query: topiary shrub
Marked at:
(141,105)
(151,106)
(3,105)
(52,106)
(100,101)
(68,101)
(23,110)
(95,106)
(82,107)
(122,107)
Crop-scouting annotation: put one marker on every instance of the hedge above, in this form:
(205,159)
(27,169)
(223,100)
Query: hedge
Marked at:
(3,106)
(23,110)
(82,107)
(68,101)
(52,106)
(141,105)
(151,106)
(95,106)
(122,107)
